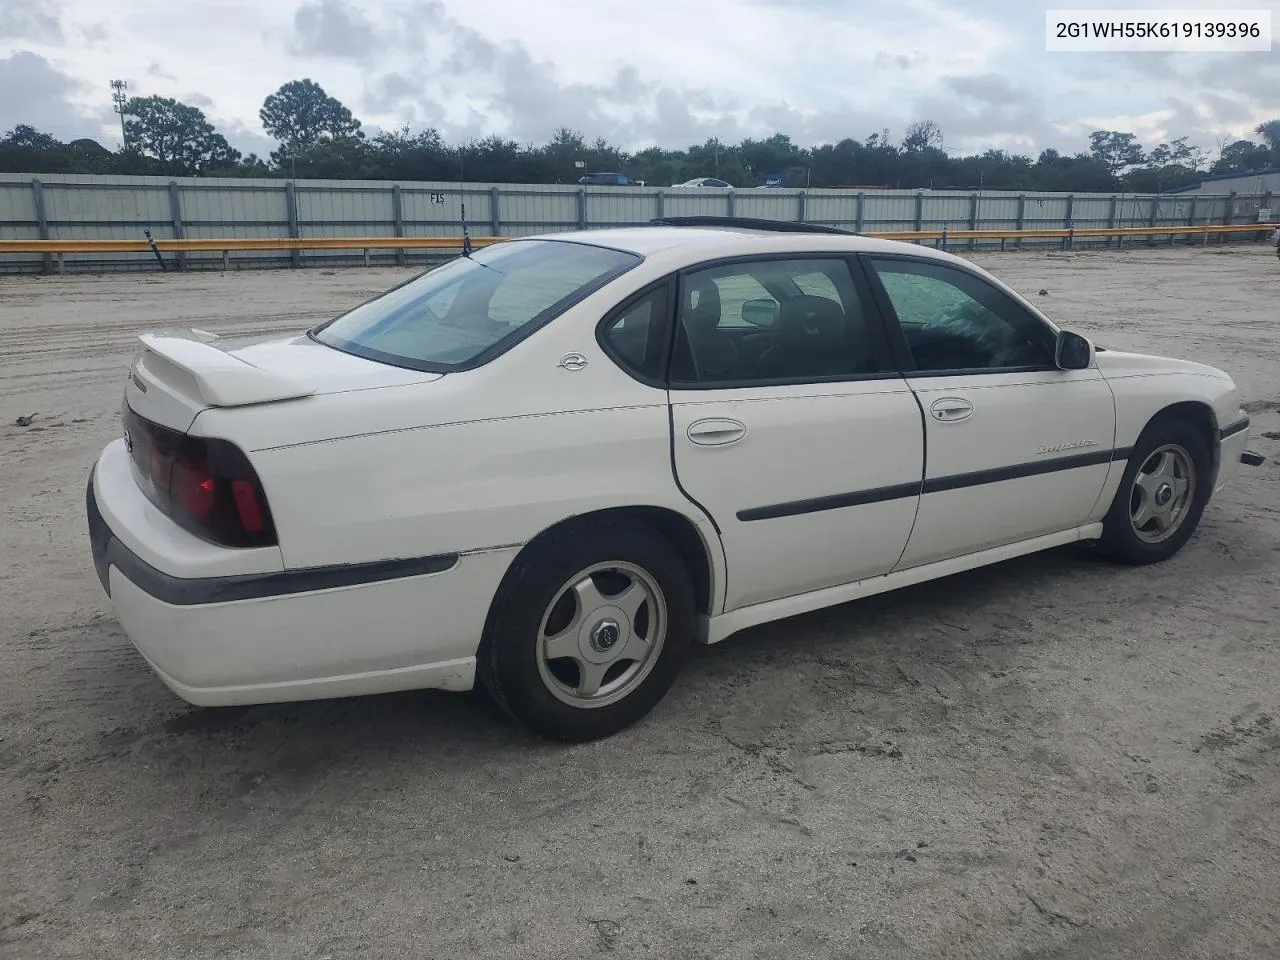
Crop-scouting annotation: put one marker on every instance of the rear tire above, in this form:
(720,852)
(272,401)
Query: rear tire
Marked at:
(1162,494)
(588,630)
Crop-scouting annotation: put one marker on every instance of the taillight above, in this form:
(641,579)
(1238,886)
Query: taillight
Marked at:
(190,482)
(206,486)
(248,505)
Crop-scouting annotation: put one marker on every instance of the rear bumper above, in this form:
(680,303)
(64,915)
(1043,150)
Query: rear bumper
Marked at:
(295,635)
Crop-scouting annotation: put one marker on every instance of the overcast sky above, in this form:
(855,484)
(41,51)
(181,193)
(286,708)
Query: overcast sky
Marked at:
(637,72)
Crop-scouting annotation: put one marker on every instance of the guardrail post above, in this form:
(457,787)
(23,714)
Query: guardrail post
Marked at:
(1191,216)
(175,215)
(730,202)
(42,221)
(495,211)
(801,201)
(973,218)
(1228,216)
(1022,214)
(397,215)
(291,207)
(582,208)
(1266,204)
(919,211)
(660,201)
(857,212)
(1152,218)
(226,260)
(1111,217)
(1069,240)
(944,237)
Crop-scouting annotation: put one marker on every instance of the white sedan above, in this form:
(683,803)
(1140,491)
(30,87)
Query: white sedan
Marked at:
(555,463)
(705,182)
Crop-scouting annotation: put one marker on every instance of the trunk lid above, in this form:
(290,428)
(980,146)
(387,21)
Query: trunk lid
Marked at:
(178,373)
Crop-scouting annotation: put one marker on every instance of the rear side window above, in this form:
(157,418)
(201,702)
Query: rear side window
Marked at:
(771,321)
(474,307)
(636,337)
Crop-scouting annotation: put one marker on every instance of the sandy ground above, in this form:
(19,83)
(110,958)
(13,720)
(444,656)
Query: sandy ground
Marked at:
(1053,758)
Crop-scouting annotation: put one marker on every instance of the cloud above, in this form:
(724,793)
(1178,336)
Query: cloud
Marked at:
(817,70)
(93,33)
(33,91)
(331,28)
(29,20)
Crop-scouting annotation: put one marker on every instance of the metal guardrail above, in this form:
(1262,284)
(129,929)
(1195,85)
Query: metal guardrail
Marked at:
(61,248)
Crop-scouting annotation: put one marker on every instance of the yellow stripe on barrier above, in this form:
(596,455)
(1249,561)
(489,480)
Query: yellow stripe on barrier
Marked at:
(455,243)
(252,243)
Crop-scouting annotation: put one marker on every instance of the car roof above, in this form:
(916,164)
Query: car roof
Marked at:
(706,242)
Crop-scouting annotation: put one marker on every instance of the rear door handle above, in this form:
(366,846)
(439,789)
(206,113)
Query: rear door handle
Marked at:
(716,431)
(951,408)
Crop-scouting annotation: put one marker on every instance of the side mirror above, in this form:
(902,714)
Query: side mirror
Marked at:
(1072,351)
(760,313)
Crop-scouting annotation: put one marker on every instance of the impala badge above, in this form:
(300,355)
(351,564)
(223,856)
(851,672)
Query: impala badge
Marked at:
(1069,445)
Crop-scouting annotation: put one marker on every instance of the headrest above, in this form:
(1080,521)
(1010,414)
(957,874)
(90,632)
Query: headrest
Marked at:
(810,317)
(702,305)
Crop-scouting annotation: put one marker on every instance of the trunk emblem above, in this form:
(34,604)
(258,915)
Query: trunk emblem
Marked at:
(128,442)
(573,361)
(138,382)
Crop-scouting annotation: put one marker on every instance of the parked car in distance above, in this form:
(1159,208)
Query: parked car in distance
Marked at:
(554,464)
(609,180)
(705,182)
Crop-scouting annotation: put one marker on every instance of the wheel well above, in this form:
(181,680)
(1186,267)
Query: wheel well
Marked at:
(1199,415)
(677,529)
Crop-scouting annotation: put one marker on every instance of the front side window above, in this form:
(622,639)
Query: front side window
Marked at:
(953,320)
(771,321)
(472,306)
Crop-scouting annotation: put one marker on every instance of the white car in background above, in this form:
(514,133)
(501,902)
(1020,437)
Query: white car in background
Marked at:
(557,462)
(705,182)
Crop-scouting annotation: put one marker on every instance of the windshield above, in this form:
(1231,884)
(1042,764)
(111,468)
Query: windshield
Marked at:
(473,307)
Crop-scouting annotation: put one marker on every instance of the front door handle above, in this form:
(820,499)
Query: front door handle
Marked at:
(716,431)
(951,408)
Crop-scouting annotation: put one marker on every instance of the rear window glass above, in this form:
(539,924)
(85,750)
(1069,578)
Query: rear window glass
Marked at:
(474,305)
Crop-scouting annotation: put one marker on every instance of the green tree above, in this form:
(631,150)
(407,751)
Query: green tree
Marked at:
(342,158)
(1270,132)
(1241,156)
(403,155)
(922,135)
(24,149)
(300,114)
(175,134)
(1115,149)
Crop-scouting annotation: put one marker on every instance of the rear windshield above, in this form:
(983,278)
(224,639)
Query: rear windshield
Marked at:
(472,308)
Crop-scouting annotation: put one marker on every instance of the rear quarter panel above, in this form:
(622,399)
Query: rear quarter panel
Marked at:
(474,461)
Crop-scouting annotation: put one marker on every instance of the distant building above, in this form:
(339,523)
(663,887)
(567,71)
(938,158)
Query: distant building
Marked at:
(1255,182)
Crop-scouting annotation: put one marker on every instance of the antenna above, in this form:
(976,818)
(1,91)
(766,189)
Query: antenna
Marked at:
(120,98)
(462,186)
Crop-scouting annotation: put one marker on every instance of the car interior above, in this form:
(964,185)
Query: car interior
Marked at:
(791,334)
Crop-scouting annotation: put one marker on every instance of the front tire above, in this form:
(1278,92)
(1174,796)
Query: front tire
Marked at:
(1162,494)
(588,631)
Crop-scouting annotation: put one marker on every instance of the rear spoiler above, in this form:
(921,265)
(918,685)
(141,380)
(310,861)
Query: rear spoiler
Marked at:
(220,379)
